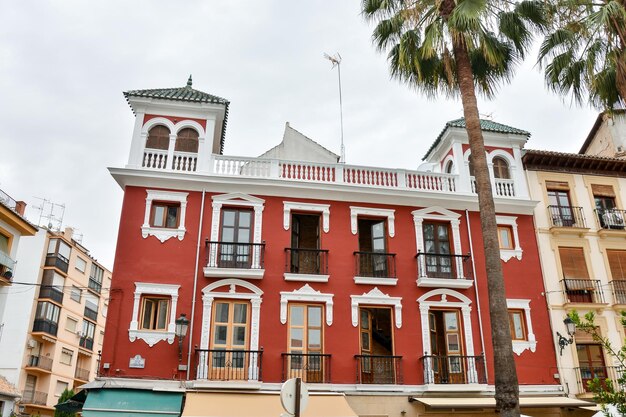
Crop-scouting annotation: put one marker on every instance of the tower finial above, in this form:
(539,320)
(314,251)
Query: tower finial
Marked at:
(189,81)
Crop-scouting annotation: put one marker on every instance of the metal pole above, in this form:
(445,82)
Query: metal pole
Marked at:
(342,158)
(297,404)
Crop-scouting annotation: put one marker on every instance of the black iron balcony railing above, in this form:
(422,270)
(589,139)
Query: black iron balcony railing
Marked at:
(311,367)
(228,365)
(95,285)
(586,374)
(57,260)
(611,218)
(91,314)
(583,290)
(81,374)
(306,261)
(453,369)
(40,362)
(375,264)
(378,369)
(566,216)
(86,342)
(618,286)
(444,266)
(45,326)
(34,397)
(51,293)
(235,255)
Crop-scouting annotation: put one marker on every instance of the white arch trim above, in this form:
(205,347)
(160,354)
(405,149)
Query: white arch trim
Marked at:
(502,154)
(158,121)
(449,158)
(306,294)
(189,123)
(376,297)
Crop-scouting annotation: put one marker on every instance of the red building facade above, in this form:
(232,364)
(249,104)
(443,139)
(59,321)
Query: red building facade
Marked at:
(360,280)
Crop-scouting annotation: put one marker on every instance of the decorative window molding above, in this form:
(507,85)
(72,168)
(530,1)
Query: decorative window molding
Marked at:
(506,254)
(324,209)
(163,233)
(520,346)
(374,212)
(152,337)
(306,294)
(252,294)
(235,200)
(376,297)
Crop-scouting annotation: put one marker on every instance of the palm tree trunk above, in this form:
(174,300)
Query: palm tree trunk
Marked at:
(621,76)
(507,389)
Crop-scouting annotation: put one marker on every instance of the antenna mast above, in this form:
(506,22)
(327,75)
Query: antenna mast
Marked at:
(336,61)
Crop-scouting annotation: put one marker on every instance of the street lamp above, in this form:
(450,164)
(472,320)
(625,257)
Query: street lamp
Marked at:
(182,324)
(570,326)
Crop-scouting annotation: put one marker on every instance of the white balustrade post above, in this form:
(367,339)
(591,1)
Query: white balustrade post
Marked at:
(274,168)
(401,173)
(339,173)
(170,152)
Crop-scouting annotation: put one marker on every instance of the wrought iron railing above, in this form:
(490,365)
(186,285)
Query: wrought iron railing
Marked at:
(306,261)
(583,290)
(95,285)
(618,286)
(52,293)
(228,365)
(453,369)
(444,266)
(235,255)
(34,397)
(45,326)
(91,314)
(586,374)
(86,342)
(611,219)
(311,367)
(41,362)
(57,260)
(81,374)
(566,216)
(378,369)
(375,264)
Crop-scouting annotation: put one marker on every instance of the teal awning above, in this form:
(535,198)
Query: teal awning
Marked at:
(132,403)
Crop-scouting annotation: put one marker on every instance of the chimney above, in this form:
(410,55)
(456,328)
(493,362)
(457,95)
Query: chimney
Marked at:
(20,207)
(68,233)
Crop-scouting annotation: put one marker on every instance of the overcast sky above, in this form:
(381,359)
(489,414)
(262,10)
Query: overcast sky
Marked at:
(64,65)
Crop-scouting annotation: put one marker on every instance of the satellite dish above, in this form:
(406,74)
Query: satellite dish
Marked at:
(288,395)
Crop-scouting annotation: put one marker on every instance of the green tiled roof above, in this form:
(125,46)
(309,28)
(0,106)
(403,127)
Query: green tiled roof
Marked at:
(185,93)
(485,125)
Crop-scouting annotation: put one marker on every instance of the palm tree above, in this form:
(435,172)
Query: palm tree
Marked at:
(458,47)
(585,53)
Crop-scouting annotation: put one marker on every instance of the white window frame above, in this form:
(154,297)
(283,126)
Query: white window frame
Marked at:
(355,212)
(84,262)
(67,320)
(73,292)
(152,337)
(68,353)
(289,206)
(164,233)
(377,298)
(306,294)
(520,346)
(507,254)
(56,387)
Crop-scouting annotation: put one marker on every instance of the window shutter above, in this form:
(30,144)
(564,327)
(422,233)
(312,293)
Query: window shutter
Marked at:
(602,190)
(557,185)
(617,263)
(573,263)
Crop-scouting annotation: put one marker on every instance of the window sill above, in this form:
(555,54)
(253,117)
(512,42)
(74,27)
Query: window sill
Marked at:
(507,254)
(161,233)
(151,337)
(375,281)
(306,277)
(444,283)
(211,271)
(520,346)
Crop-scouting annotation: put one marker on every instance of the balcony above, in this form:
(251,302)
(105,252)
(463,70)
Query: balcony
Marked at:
(241,260)
(91,314)
(619,291)
(567,217)
(586,374)
(441,270)
(378,369)
(308,265)
(58,261)
(45,326)
(31,397)
(6,268)
(39,363)
(311,367)
(228,365)
(611,221)
(583,291)
(86,342)
(81,374)
(51,293)
(453,369)
(95,285)
(376,268)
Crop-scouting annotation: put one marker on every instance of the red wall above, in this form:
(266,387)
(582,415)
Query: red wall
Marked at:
(149,260)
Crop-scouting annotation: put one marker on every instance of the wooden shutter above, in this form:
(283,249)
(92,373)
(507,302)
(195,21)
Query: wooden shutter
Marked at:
(602,190)
(617,263)
(573,263)
(557,185)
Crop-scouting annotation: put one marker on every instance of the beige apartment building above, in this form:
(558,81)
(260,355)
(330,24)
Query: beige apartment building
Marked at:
(581,232)
(67,319)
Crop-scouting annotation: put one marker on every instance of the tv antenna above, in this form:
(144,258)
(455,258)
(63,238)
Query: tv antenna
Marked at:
(50,214)
(336,61)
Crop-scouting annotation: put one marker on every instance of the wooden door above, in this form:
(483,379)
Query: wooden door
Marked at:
(439,263)
(229,353)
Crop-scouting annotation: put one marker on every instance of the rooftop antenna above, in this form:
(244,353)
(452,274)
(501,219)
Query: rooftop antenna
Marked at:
(51,213)
(336,61)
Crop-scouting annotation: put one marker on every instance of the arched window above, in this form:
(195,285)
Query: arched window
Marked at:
(470,165)
(158,138)
(187,141)
(500,168)
(449,167)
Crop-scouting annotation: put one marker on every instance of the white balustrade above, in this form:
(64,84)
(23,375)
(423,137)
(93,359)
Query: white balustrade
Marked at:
(155,158)
(429,181)
(306,171)
(377,177)
(505,187)
(240,166)
(185,161)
